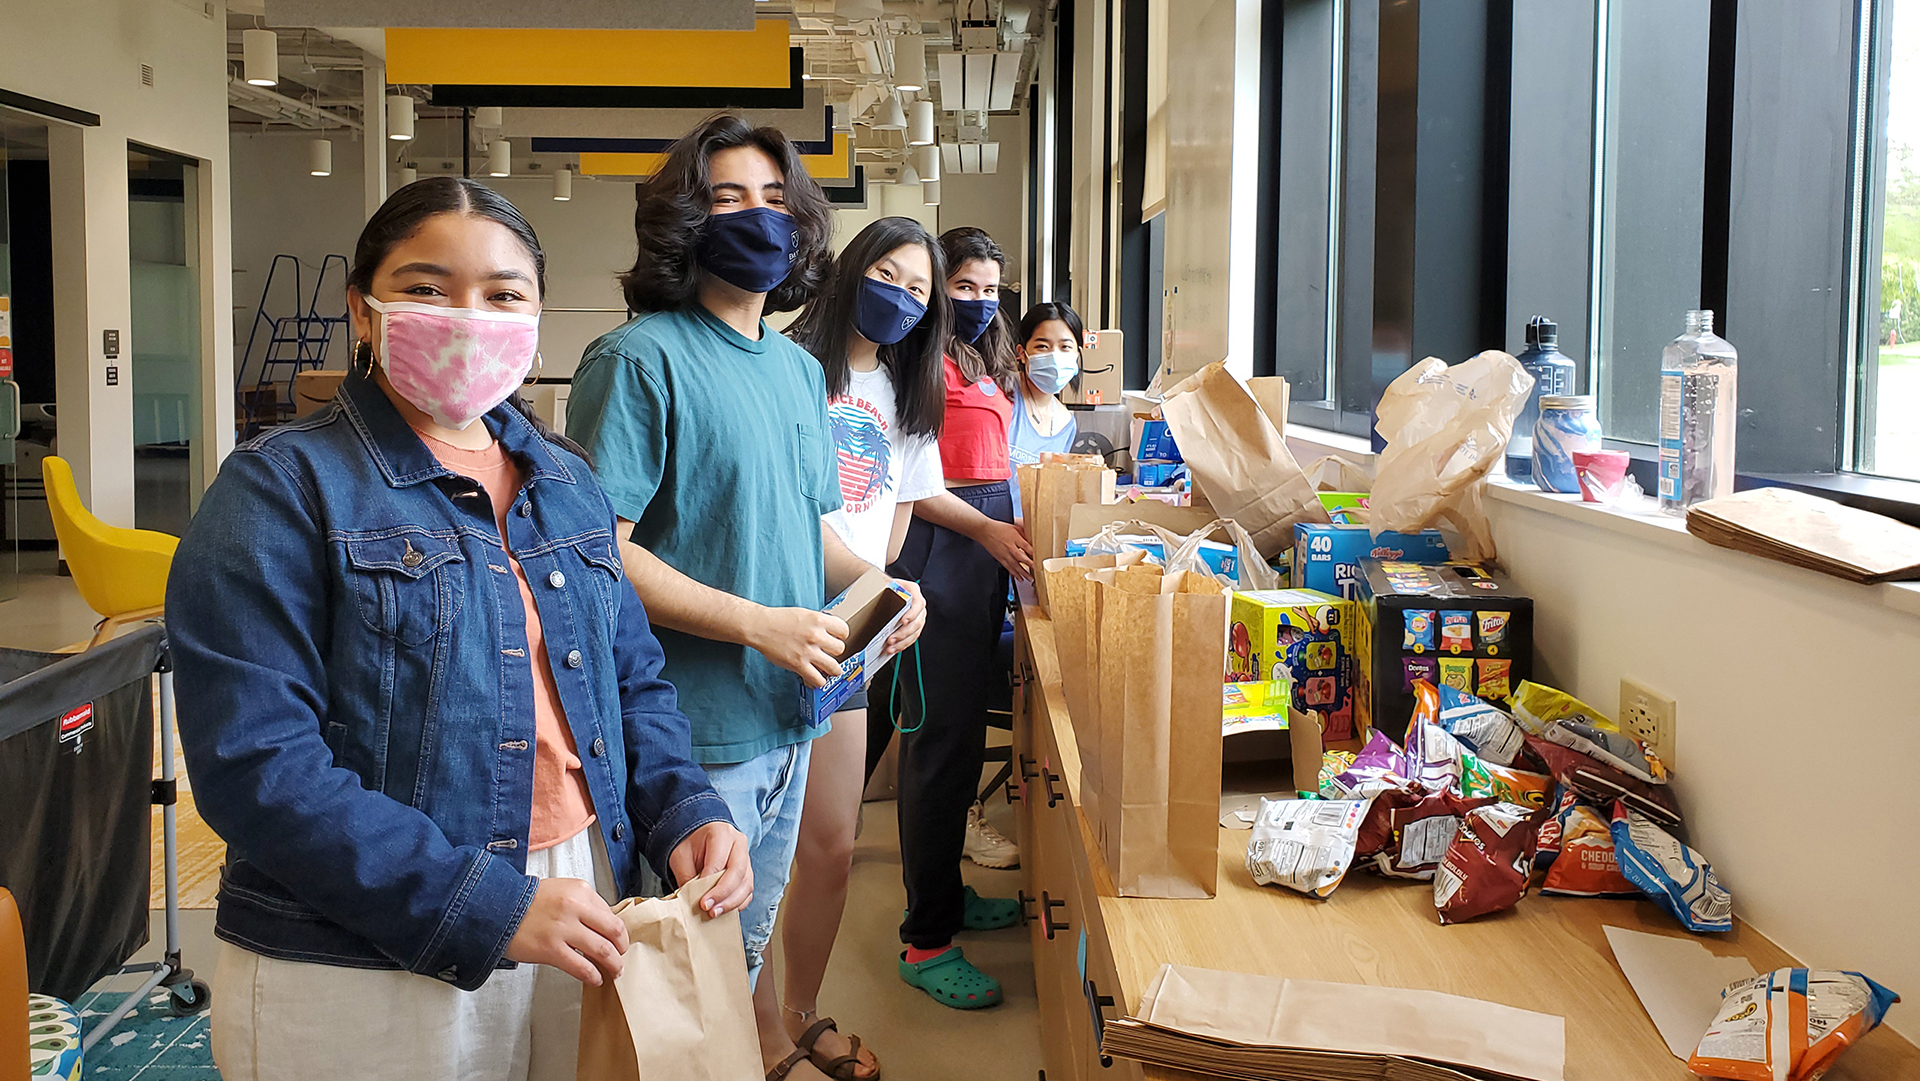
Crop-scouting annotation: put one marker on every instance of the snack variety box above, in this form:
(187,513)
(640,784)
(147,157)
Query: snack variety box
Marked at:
(1327,557)
(872,607)
(1455,624)
(1303,637)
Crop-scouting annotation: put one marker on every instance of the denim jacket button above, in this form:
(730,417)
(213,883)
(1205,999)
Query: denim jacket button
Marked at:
(556,580)
(619,831)
(573,658)
(526,508)
(599,746)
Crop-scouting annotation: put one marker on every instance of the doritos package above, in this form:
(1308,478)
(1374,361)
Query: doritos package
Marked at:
(1602,784)
(1584,863)
(1486,729)
(1456,632)
(1417,669)
(1380,765)
(1333,764)
(1304,845)
(1789,1024)
(1486,867)
(1675,876)
(1421,834)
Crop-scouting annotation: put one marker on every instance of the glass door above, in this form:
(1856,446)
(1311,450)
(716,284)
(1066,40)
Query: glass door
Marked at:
(11,404)
(26,350)
(165,333)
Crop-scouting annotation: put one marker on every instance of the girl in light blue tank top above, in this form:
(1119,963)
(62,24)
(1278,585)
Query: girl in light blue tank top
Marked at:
(1051,335)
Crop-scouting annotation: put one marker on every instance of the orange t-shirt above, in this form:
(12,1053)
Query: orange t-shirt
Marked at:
(561,805)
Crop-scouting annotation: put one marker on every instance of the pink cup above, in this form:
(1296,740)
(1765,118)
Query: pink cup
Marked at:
(1600,473)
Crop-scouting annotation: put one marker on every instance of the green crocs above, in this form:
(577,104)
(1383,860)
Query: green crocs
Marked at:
(951,980)
(990,913)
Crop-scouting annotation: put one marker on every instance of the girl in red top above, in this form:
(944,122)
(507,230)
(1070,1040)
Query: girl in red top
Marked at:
(961,547)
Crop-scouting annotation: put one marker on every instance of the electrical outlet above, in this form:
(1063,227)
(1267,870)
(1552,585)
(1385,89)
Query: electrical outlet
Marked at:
(1649,716)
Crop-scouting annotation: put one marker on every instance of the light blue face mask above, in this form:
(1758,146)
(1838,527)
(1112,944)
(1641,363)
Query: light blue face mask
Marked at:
(1051,372)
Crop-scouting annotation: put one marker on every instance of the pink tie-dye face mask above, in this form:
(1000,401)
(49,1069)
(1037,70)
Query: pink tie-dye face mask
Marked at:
(454,364)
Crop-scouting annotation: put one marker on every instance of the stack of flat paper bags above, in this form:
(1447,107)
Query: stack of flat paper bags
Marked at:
(1811,532)
(1267,1028)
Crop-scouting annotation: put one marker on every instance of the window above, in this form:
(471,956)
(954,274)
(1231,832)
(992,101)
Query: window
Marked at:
(1887,407)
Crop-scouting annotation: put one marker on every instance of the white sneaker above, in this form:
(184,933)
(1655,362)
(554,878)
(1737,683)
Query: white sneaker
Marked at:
(987,846)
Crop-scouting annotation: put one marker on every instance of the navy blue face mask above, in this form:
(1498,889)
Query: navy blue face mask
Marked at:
(971,317)
(884,312)
(751,249)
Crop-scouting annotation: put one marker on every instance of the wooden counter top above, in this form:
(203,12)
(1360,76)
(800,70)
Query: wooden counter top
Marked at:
(1549,954)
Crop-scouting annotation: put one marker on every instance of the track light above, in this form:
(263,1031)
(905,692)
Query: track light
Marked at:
(920,127)
(908,176)
(891,116)
(910,62)
(488,116)
(408,174)
(926,162)
(930,192)
(320,157)
(563,185)
(399,117)
(260,52)
(499,158)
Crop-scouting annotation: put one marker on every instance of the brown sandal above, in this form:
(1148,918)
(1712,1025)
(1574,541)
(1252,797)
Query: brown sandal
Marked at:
(844,1068)
(785,1066)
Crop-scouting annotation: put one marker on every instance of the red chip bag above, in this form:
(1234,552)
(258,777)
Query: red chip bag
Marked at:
(1422,833)
(1549,849)
(1486,867)
(1586,866)
(1376,830)
(1599,783)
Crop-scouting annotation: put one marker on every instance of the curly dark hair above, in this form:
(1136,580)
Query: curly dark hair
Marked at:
(919,387)
(990,356)
(675,203)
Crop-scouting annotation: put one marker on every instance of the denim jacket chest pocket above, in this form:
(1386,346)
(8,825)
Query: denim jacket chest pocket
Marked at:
(408,583)
(602,574)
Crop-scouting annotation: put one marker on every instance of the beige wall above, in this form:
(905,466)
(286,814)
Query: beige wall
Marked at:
(86,54)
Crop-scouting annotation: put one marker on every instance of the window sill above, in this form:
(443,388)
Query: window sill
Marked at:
(1311,444)
(1672,532)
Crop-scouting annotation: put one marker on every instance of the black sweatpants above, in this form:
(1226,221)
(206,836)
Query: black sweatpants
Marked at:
(940,759)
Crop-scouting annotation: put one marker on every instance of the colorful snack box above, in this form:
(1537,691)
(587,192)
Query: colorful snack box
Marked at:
(1420,636)
(1496,677)
(1346,508)
(1457,672)
(1327,557)
(1300,636)
(1456,632)
(1155,443)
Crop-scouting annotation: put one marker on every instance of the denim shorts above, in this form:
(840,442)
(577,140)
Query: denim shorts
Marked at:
(765,796)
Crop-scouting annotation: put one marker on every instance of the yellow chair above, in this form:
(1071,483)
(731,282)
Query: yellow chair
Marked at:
(121,573)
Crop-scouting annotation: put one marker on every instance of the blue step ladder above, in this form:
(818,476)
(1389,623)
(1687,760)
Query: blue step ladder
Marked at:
(294,343)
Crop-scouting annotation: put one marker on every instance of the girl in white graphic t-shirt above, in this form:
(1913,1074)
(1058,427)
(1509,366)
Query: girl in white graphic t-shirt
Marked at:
(877,328)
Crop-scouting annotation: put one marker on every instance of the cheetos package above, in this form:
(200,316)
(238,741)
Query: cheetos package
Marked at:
(1789,1024)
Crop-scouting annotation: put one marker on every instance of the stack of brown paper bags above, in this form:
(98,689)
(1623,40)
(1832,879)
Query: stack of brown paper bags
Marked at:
(1271,1029)
(1811,532)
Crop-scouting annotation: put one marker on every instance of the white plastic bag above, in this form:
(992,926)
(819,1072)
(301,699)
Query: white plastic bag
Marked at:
(1446,428)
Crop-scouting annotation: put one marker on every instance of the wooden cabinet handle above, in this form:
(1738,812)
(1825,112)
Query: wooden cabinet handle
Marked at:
(1047,922)
(1027,772)
(1026,903)
(1009,788)
(1096,1005)
(1047,777)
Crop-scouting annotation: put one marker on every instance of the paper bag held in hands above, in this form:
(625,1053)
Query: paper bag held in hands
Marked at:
(1445,428)
(681,1008)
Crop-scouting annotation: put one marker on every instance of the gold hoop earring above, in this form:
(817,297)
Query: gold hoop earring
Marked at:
(361,362)
(539,365)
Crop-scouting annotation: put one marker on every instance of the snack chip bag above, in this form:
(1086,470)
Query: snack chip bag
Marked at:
(1789,1024)
(1379,766)
(1486,867)
(1517,786)
(1536,705)
(1376,829)
(1549,847)
(1434,757)
(1419,668)
(1496,677)
(1304,845)
(1419,637)
(1456,632)
(1675,876)
(1584,865)
(1493,629)
(1486,729)
(1609,745)
(1602,784)
(1421,834)
(1333,764)
(1457,672)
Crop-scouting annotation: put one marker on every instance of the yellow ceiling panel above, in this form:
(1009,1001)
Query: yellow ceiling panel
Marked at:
(835,166)
(492,57)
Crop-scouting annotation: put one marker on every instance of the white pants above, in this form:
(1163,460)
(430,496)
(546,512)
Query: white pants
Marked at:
(289,1020)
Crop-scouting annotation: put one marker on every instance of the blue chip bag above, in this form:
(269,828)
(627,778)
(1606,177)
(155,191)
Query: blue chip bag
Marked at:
(1673,875)
(1420,630)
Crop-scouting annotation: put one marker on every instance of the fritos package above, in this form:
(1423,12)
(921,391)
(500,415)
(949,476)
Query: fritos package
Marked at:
(1486,866)
(1583,863)
(1788,1025)
(1304,845)
(1675,876)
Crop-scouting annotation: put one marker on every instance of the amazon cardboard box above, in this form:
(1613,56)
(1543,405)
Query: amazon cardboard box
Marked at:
(1102,369)
(871,607)
(313,389)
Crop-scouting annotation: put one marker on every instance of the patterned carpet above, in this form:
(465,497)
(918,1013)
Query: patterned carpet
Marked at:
(149,1044)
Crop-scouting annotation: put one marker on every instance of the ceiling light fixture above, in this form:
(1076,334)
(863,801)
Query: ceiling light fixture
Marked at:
(488,116)
(499,158)
(891,116)
(908,176)
(563,185)
(910,62)
(399,117)
(320,157)
(920,124)
(408,174)
(926,162)
(930,192)
(260,52)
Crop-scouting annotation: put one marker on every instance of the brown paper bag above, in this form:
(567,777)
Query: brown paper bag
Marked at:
(1161,649)
(1238,459)
(1058,486)
(681,1008)
(1072,615)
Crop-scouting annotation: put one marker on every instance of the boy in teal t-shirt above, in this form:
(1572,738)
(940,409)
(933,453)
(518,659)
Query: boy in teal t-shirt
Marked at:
(709,433)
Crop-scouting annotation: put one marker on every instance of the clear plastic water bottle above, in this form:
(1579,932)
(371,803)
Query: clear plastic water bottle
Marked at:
(1698,403)
(1552,373)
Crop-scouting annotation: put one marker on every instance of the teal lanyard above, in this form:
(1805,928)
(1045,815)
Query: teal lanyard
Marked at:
(893,704)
